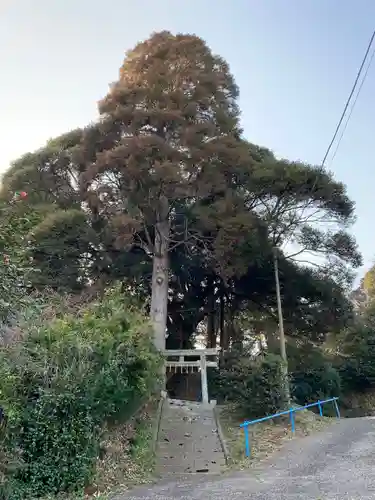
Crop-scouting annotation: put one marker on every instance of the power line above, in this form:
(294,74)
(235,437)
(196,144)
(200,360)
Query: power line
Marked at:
(353,106)
(349,99)
(280,312)
(343,116)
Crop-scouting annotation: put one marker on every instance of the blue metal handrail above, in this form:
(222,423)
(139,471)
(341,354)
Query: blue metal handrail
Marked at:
(289,412)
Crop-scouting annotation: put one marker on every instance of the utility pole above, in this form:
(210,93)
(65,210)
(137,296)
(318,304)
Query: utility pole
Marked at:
(281,327)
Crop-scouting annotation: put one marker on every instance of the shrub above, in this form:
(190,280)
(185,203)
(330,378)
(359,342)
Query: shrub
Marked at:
(64,381)
(357,366)
(255,385)
(312,376)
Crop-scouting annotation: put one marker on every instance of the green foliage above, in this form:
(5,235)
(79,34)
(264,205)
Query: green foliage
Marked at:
(64,381)
(164,171)
(49,175)
(357,367)
(61,248)
(17,219)
(255,385)
(312,375)
(169,160)
(368,282)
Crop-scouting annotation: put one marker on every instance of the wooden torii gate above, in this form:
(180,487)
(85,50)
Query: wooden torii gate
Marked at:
(185,365)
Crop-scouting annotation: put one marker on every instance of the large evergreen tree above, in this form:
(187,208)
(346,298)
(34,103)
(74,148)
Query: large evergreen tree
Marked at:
(170,127)
(164,194)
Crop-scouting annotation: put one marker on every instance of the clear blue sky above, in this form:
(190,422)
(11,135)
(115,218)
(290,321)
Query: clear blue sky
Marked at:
(294,61)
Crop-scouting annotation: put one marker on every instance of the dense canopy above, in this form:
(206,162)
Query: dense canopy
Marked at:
(164,194)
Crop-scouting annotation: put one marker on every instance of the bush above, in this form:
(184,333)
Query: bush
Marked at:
(63,382)
(356,365)
(255,385)
(312,375)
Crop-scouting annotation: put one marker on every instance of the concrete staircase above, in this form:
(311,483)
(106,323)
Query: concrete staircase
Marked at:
(188,440)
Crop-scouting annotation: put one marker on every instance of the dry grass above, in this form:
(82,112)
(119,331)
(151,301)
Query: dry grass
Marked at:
(128,458)
(265,437)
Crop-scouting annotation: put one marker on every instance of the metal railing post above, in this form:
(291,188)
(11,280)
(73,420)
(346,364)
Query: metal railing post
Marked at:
(247,441)
(292,421)
(336,408)
(320,408)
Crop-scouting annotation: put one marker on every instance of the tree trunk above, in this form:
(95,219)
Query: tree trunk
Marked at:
(160,272)
(224,337)
(211,322)
(222,315)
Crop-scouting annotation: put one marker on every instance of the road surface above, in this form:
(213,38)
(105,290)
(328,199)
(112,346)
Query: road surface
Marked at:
(336,463)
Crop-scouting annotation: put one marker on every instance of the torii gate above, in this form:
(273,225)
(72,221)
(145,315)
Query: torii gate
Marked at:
(184,365)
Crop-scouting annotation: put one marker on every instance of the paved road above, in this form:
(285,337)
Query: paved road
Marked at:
(337,463)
